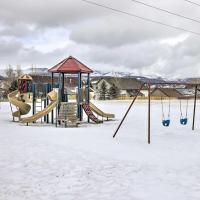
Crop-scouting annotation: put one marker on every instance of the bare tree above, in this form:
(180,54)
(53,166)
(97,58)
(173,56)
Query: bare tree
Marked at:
(10,73)
(10,77)
(18,71)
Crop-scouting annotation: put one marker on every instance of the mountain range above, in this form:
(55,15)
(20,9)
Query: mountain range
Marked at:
(101,74)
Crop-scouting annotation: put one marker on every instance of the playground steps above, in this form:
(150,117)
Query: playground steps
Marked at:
(68,114)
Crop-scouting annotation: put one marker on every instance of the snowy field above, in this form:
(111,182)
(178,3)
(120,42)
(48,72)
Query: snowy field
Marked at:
(41,162)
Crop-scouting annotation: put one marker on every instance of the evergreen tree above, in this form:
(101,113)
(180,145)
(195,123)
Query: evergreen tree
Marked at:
(113,91)
(103,91)
(13,86)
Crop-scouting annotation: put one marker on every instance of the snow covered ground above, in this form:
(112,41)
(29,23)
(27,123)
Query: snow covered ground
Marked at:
(47,163)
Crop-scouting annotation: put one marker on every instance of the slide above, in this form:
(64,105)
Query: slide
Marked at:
(52,96)
(95,109)
(100,112)
(90,114)
(22,107)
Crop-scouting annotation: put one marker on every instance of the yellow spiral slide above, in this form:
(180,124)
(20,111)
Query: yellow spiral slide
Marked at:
(22,107)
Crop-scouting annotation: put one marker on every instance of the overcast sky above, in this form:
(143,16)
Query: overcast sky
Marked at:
(41,33)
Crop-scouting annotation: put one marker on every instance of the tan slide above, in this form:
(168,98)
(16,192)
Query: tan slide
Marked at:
(95,109)
(22,107)
(52,96)
(100,112)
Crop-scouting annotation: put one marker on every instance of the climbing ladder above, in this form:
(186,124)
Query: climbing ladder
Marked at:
(38,106)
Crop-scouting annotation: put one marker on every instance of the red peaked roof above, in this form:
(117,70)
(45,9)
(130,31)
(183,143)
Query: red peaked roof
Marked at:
(70,65)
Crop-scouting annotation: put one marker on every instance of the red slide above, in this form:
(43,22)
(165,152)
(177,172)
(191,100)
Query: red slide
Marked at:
(90,114)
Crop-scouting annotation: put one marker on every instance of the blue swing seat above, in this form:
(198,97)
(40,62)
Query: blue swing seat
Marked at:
(166,122)
(183,121)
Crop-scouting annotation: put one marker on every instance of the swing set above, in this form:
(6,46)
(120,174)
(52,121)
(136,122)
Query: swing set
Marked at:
(149,85)
(183,117)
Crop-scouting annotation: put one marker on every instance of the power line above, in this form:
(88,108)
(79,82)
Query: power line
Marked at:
(192,2)
(142,18)
(166,11)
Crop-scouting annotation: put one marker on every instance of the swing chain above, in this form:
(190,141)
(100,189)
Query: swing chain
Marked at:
(186,111)
(163,115)
(169,103)
(169,108)
(181,109)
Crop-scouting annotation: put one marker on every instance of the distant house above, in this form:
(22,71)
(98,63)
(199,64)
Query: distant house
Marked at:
(115,87)
(193,80)
(188,93)
(167,92)
(177,93)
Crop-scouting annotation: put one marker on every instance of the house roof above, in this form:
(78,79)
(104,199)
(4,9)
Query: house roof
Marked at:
(123,83)
(70,65)
(166,92)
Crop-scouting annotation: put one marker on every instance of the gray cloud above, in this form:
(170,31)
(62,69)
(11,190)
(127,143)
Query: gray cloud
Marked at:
(13,52)
(130,56)
(45,13)
(9,49)
(106,32)
(115,29)
(44,32)
(19,30)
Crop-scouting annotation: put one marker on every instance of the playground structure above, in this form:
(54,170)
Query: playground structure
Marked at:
(54,98)
(148,85)
(71,66)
